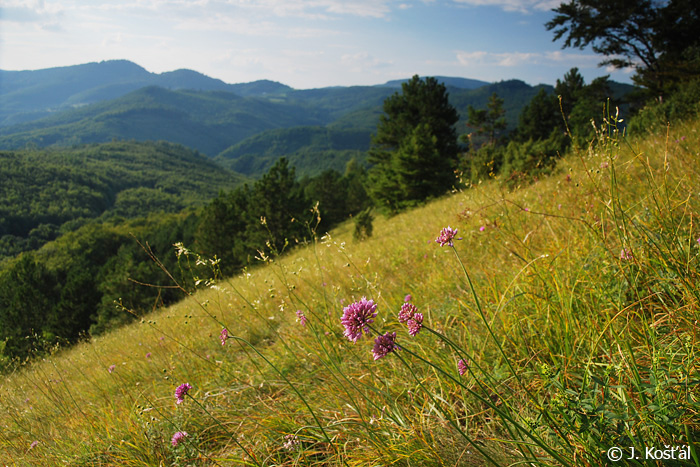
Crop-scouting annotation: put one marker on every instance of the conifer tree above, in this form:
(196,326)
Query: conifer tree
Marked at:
(415,149)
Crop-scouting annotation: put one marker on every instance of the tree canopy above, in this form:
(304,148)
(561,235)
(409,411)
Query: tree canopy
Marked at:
(659,39)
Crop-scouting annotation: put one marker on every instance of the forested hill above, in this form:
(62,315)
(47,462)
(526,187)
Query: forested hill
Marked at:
(29,95)
(45,193)
(206,121)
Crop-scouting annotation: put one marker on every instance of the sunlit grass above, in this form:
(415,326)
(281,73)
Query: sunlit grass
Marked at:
(577,346)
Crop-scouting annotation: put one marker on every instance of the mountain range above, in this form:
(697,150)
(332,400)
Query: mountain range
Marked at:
(243,126)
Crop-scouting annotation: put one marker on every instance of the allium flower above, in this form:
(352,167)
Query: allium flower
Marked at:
(407,311)
(301,317)
(407,298)
(111,368)
(415,324)
(177,437)
(292,442)
(462,367)
(223,336)
(384,345)
(357,317)
(181,392)
(446,237)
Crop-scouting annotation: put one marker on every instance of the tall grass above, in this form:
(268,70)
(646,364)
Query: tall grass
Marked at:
(572,304)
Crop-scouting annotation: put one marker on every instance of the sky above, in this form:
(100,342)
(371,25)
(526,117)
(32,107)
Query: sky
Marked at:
(301,43)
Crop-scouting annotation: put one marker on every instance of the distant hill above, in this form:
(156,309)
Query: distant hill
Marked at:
(207,121)
(28,95)
(461,83)
(45,193)
(245,126)
(310,149)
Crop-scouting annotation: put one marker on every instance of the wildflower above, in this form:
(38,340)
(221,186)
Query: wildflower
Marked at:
(415,324)
(626,254)
(462,367)
(407,311)
(482,228)
(446,236)
(34,444)
(357,317)
(301,317)
(181,392)
(111,368)
(292,442)
(384,345)
(177,437)
(223,336)
(408,297)
(148,355)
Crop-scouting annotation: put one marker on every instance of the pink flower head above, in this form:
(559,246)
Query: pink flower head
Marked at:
(446,237)
(462,367)
(223,336)
(291,442)
(408,297)
(482,228)
(626,254)
(415,324)
(407,311)
(384,345)
(357,317)
(148,355)
(177,437)
(181,392)
(111,368)
(33,445)
(301,317)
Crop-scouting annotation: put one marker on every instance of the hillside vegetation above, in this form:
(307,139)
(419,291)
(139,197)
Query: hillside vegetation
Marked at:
(44,193)
(557,322)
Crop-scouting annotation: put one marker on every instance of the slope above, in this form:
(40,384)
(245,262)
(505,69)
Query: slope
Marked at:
(49,192)
(567,338)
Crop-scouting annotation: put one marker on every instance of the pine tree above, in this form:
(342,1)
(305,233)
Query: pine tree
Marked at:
(415,149)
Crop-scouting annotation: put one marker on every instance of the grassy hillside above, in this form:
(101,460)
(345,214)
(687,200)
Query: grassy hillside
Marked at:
(569,305)
(44,193)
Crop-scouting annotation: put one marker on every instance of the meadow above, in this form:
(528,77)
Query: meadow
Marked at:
(559,322)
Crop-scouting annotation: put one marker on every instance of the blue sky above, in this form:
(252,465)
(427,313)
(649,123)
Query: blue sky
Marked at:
(301,43)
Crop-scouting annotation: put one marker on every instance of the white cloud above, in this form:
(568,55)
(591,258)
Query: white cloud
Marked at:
(522,6)
(512,59)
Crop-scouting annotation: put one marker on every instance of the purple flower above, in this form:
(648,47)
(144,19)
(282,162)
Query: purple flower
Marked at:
(626,255)
(462,367)
(407,311)
(34,444)
(407,298)
(357,317)
(177,437)
(384,345)
(301,317)
(415,324)
(223,336)
(111,368)
(482,228)
(148,355)
(447,235)
(182,391)
(292,442)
